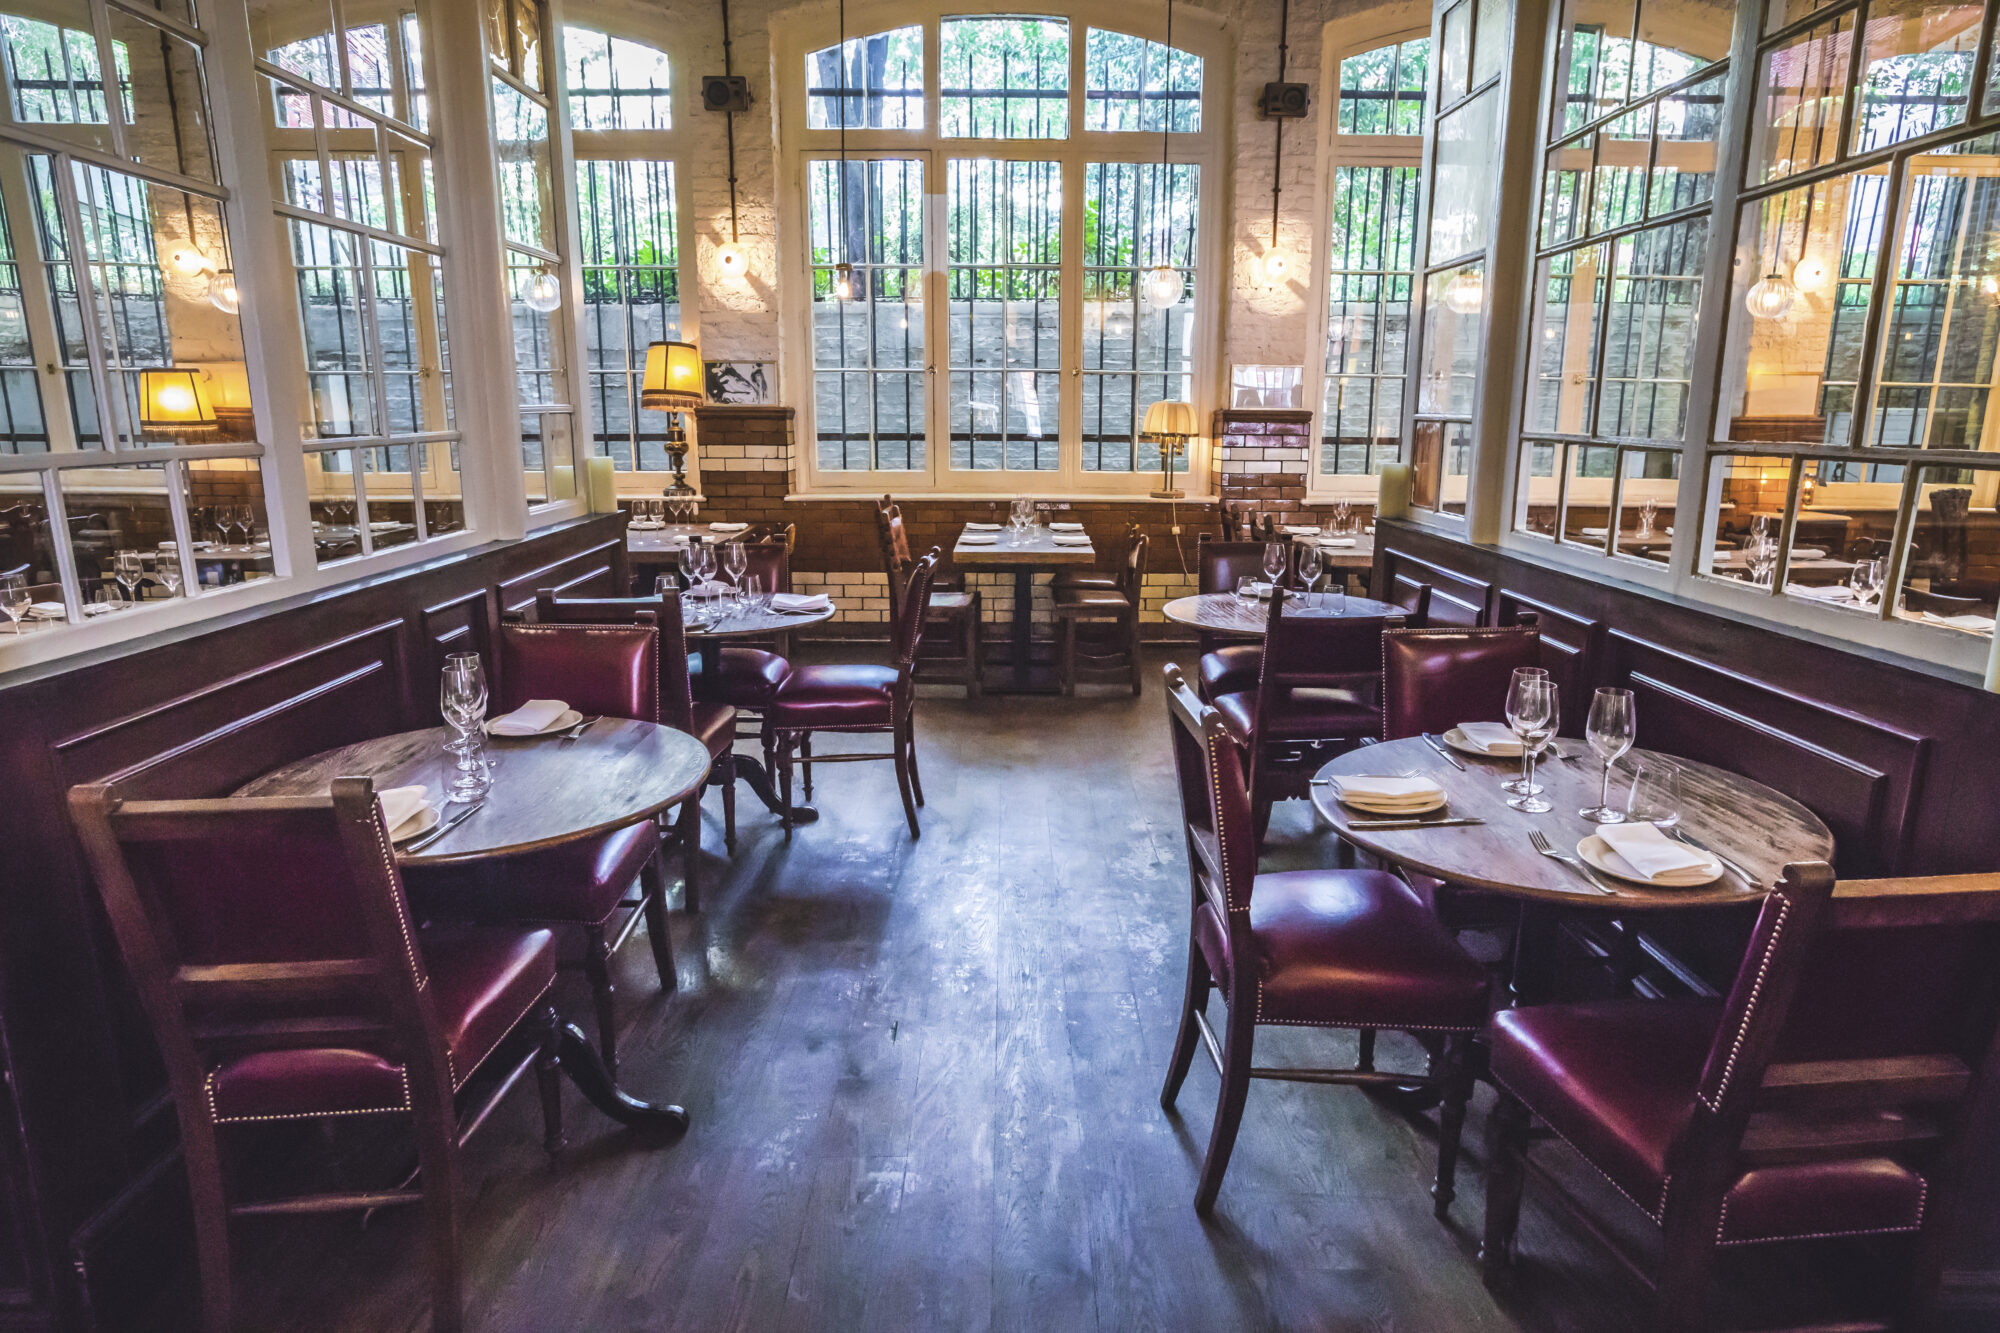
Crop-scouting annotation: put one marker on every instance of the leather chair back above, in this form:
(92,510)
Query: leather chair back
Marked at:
(1434,679)
(770,561)
(1316,652)
(1132,576)
(663,612)
(916,600)
(1219,564)
(613,670)
(1215,812)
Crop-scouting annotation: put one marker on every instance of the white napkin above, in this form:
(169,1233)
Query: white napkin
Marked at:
(382,524)
(1494,738)
(403,805)
(1336,541)
(1071,539)
(1808,553)
(712,588)
(1299,530)
(978,538)
(532,717)
(1650,852)
(1829,592)
(1065,527)
(166,546)
(982,527)
(801,601)
(727,527)
(1970,620)
(1387,793)
(47,611)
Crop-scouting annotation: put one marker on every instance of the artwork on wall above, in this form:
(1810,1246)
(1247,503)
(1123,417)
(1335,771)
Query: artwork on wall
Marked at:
(1267,386)
(739,382)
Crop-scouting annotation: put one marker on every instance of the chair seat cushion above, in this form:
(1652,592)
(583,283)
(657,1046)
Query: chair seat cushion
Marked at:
(949,602)
(483,982)
(1867,1195)
(1616,1078)
(746,677)
(715,726)
(1231,669)
(579,882)
(826,696)
(1303,713)
(1073,577)
(1091,599)
(1355,948)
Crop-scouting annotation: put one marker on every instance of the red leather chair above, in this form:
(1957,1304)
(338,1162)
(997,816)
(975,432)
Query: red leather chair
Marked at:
(1434,679)
(749,672)
(1304,948)
(1109,578)
(1313,697)
(612,670)
(713,724)
(953,610)
(859,699)
(285,980)
(1228,663)
(1827,1095)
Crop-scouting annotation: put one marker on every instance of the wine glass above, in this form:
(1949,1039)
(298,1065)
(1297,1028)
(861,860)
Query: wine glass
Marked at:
(1866,580)
(1655,797)
(1535,718)
(1309,567)
(735,559)
(1342,515)
(1516,691)
(1611,729)
(169,575)
(14,599)
(130,571)
(1276,558)
(462,700)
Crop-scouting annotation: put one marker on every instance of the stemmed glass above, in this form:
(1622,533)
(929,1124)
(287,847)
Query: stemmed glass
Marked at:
(1276,557)
(130,571)
(735,559)
(462,700)
(1342,516)
(1535,715)
(1516,691)
(1866,580)
(169,575)
(14,599)
(1613,725)
(1309,567)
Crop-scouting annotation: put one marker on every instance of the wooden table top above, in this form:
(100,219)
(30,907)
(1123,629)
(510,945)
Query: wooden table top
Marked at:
(546,791)
(742,623)
(1751,824)
(1226,613)
(1038,548)
(1361,555)
(672,537)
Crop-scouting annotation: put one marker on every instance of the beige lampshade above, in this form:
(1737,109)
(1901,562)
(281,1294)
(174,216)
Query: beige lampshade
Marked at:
(173,401)
(1166,418)
(674,381)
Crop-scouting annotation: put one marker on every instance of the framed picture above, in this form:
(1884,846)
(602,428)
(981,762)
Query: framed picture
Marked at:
(739,382)
(1267,386)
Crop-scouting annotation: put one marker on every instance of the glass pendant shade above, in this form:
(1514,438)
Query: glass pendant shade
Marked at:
(1466,293)
(542,291)
(188,261)
(674,381)
(223,294)
(1164,286)
(1810,274)
(1771,297)
(731,260)
(1274,264)
(843,282)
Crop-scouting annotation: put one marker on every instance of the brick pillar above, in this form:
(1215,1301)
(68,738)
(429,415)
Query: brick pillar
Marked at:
(1261,458)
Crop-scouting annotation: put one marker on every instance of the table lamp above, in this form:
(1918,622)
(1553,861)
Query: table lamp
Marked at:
(173,402)
(1172,425)
(674,383)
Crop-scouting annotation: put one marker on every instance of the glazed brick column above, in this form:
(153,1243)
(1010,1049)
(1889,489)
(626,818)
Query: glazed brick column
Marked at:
(1262,459)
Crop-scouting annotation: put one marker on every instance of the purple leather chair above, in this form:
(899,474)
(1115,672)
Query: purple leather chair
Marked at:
(285,979)
(1228,663)
(1304,948)
(612,670)
(1434,679)
(859,699)
(749,673)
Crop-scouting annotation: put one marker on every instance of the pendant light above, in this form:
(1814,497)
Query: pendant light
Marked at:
(1274,258)
(222,292)
(1465,294)
(1811,272)
(730,257)
(1164,285)
(843,272)
(1773,295)
(542,292)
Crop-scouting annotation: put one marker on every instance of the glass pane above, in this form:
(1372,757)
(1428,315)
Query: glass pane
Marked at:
(226,520)
(371,68)
(1562,384)
(392,513)
(1916,70)
(1684,147)
(418,100)
(1454,308)
(332,484)
(24,429)
(1004,229)
(1795,119)
(1792,360)
(1133,84)
(1783,13)
(1382,91)
(1623,146)
(1949,574)
(1003,78)
(869,354)
(1649,349)
(404,328)
(444,501)
(1676,40)
(112,511)
(1745,503)
(1566,190)
(164,102)
(297,36)
(540,372)
(1594,60)
(631,298)
(1138,322)
(1646,504)
(1455,58)
(527,15)
(1442,458)
(26,544)
(872,82)
(615,84)
(339,359)
(1535,497)
(1489,40)
(1371,257)
(1465,165)
(1587,493)
(521,147)
(1839,523)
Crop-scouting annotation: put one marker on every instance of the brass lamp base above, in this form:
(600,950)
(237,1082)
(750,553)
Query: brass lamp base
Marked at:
(1168,495)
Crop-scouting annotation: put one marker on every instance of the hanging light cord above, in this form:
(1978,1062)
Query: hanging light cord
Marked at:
(1160,224)
(845,247)
(1278,153)
(729,122)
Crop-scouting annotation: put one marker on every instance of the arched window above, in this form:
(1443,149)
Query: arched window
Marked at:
(1003,278)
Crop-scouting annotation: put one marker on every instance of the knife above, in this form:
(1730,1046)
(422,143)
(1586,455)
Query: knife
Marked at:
(1444,750)
(1412,823)
(441,830)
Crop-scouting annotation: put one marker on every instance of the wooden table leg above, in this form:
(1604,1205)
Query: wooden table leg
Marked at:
(580,1060)
(1024,627)
(750,770)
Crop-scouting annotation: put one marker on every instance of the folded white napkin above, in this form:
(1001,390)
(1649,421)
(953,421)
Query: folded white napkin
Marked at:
(978,538)
(1071,539)
(644,525)
(1970,620)
(1829,592)
(1380,792)
(801,601)
(712,588)
(532,717)
(1593,532)
(982,527)
(1299,530)
(379,524)
(103,608)
(1650,852)
(1336,541)
(403,805)
(1808,553)
(166,546)
(1065,527)
(727,527)
(1494,738)
(47,611)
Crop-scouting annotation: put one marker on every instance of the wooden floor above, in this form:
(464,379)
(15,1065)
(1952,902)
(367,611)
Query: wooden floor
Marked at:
(924,1084)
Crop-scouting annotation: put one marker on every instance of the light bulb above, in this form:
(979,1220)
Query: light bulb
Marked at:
(188,261)
(541,292)
(1810,274)
(177,398)
(1989,287)
(222,292)
(1164,286)
(1771,297)
(1465,294)
(843,282)
(1274,264)
(730,258)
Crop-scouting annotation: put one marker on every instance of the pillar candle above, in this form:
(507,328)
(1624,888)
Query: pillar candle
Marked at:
(1394,499)
(562,481)
(600,484)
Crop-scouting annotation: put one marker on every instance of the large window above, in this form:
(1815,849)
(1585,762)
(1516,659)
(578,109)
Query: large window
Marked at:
(1001,297)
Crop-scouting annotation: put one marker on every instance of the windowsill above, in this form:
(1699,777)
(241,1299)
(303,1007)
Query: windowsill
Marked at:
(995,497)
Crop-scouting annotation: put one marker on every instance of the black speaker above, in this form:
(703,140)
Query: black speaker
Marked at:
(1283,101)
(725,92)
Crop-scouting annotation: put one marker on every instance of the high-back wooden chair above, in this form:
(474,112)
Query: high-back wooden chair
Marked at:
(285,979)
(1113,611)
(1229,662)
(953,610)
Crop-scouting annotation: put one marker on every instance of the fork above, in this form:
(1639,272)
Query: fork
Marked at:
(581,727)
(1541,844)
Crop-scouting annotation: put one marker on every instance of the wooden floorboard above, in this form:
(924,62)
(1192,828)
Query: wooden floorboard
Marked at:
(924,1083)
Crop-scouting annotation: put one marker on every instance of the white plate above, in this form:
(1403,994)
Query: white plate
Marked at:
(1598,852)
(416,825)
(1393,811)
(569,719)
(1456,740)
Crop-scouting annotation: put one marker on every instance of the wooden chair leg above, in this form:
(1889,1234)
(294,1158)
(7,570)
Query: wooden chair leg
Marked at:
(783,753)
(1236,1047)
(1687,1268)
(1194,999)
(806,761)
(970,635)
(1132,649)
(727,778)
(902,742)
(910,745)
(203,1155)
(1506,1141)
(653,902)
(437,1165)
(597,970)
(1066,660)
(548,1078)
(690,833)
(1456,1074)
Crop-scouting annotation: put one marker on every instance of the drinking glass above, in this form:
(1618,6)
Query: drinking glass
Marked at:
(14,599)
(130,571)
(735,559)
(1246,588)
(1535,717)
(1516,691)
(754,596)
(1276,558)
(701,563)
(169,575)
(1655,797)
(1866,580)
(462,701)
(1309,567)
(1336,586)
(1342,517)
(1613,725)
(664,584)
(1648,515)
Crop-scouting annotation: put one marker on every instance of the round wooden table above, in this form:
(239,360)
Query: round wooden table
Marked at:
(1226,613)
(1740,819)
(755,624)
(546,791)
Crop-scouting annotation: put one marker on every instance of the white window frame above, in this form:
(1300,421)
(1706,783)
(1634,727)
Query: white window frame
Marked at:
(1209,149)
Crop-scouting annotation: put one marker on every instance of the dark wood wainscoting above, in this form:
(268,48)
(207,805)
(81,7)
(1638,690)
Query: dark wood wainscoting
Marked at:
(94,1227)
(1901,763)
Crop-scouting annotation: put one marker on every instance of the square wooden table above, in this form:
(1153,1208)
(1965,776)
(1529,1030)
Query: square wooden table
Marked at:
(1024,555)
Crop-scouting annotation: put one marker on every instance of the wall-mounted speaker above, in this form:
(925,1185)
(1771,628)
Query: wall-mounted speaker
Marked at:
(1283,101)
(725,92)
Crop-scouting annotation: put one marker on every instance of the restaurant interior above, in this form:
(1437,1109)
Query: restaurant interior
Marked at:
(1181,665)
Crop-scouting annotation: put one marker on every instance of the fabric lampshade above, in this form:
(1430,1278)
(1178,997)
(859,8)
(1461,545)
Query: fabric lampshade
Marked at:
(172,401)
(674,380)
(1169,418)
